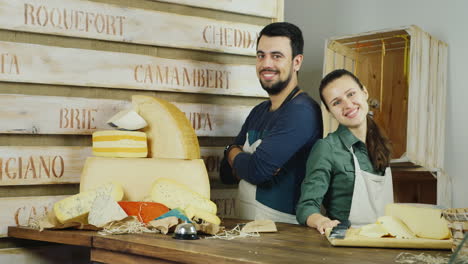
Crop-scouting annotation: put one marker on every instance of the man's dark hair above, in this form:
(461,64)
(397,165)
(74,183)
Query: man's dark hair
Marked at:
(285,29)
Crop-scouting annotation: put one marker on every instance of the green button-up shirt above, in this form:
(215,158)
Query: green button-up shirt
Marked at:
(329,175)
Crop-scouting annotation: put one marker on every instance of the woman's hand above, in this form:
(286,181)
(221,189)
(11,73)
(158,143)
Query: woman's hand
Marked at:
(321,222)
(327,223)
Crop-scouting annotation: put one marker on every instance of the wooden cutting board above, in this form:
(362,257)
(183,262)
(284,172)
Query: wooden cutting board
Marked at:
(353,239)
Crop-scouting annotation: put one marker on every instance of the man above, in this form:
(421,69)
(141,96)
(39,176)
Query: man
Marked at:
(270,152)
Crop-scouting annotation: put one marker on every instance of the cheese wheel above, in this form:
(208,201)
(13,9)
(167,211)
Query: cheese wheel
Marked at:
(170,134)
(76,208)
(175,195)
(424,221)
(114,143)
(137,175)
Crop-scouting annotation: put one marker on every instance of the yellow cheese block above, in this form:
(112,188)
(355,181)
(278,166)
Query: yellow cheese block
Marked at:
(395,227)
(424,222)
(76,208)
(138,175)
(115,143)
(170,134)
(176,195)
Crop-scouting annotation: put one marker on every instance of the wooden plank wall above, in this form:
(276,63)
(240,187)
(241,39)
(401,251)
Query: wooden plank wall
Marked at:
(59,82)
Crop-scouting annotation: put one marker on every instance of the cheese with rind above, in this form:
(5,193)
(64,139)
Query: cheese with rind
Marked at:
(144,211)
(170,134)
(176,195)
(423,221)
(104,211)
(115,143)
(138,175)
(127,120)
(194,212)
(76,208)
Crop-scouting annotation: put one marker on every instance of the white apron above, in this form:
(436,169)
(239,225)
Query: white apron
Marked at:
(370,195)
(248,207)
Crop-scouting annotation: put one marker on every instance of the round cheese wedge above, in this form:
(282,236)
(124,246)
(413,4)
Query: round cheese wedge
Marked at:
(120,144)
(170,134)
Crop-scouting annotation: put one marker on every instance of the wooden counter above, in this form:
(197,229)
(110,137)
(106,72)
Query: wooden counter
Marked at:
(291,244)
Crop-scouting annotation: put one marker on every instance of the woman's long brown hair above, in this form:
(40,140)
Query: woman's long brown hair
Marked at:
(377,143)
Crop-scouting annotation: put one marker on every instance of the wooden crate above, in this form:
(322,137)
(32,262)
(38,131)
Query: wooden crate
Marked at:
(405,72)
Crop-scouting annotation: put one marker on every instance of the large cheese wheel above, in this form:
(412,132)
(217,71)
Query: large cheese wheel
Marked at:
(115,143)
(423,221)
(137,175)
(169,132)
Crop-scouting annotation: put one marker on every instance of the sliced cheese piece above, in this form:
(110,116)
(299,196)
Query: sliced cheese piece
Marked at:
(424,221)
(170,134)
(193,212)
(373,230)
(76,208)
(115,143)
(138,175)
(176,195)
(395,227)
(105,210)
(127,120)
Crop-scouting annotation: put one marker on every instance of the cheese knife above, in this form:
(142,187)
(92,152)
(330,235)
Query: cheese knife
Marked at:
(339,231)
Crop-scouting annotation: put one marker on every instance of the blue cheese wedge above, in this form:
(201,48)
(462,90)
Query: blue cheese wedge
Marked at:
(104,211)
(76,208)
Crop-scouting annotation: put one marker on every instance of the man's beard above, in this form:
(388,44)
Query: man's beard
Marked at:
(276,88)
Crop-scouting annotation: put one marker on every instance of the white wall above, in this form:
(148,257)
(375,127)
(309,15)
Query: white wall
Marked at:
(446,20)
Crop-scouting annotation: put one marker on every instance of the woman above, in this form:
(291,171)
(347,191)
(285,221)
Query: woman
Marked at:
(348,171)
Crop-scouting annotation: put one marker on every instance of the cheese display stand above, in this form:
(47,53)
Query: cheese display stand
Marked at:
(174,153)
(173,173)
(405,71)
